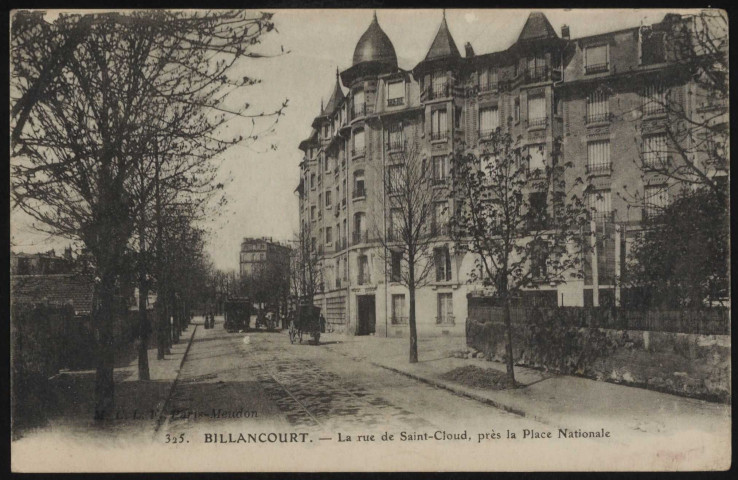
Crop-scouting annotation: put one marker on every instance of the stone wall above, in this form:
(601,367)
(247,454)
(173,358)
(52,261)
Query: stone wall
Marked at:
(688,364)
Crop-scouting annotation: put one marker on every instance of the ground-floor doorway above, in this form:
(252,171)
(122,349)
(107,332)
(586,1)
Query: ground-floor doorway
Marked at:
(366,314)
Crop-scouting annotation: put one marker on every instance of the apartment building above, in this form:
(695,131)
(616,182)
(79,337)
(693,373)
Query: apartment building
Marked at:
(591,101)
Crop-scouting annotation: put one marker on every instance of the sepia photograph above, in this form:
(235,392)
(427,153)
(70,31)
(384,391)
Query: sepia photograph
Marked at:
(333,240)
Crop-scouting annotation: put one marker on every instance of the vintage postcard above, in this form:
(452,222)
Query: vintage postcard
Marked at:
(359,240)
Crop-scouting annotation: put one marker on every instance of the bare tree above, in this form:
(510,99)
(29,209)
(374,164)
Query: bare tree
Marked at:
(518,220)
(692,145)
(85,124)
(408,237)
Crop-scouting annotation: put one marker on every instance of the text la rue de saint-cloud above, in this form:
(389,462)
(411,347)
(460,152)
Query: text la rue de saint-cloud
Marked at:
(439,435)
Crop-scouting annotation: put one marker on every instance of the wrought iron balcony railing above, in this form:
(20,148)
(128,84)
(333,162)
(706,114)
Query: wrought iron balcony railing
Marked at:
(597,118)
(359,237)
(396,320)
(538,121)
(597,68)
(445,320)
(537,74)
(393,102)
(439,136)
(598,168)
(359,192)
(397,144)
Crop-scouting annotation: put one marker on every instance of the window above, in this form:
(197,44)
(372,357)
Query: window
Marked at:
(312,212)
(395,93)
(395,141)
(599,204)
(359,228)
(398,309)
(320,203)
(489,121)
(538,260)
(441,169)
(312,244)
(439,124)
(598,107)
(312,181)
(439,225)
(596,59)
(488,80)
(652,46)
(359,103)
(516,110)
(537,68)
(442,262)
(363,270)
(359,190)
(537,157)
(396,271)
(654,99)
(328,199)
(654,151)
(445,309)
(328,235)
(536,110)
(395,178)
(439,85)
(538,214)
(656,199)
(345,233)
(396,224)
(358,142)
(598,157)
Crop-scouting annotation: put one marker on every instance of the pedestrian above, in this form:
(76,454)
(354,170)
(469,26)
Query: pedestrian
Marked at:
(322,323)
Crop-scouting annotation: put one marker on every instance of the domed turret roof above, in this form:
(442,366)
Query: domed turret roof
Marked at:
(375,46)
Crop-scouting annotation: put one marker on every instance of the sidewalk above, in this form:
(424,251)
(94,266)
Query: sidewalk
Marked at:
(561,401)
(138,405)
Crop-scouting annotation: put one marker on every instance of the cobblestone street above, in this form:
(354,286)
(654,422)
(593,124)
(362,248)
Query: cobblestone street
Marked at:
(302,387)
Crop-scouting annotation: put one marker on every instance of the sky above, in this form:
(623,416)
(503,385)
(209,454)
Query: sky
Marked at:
(308,46)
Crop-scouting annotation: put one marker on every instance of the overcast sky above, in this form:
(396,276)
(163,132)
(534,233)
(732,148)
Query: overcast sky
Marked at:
(261,180)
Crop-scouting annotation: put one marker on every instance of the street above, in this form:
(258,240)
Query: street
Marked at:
(269,383)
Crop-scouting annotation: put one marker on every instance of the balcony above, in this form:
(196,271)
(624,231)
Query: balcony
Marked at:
(394,102)
(363,278)
(399,320)
(600,217)
(492,87)
(593,118)
(537,74)
(486,134)
(537,122)
(358,152)
(440,182)
(656,162)
(397,144)
(598,169)
(597,68)
(445,320)
(359,238)
(439,136)
(438,91)
(359,192)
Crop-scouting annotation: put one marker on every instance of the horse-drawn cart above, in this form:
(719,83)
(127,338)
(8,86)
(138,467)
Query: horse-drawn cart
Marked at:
(237,312)
(306,320)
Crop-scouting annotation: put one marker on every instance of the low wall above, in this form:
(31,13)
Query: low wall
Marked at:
(688,364)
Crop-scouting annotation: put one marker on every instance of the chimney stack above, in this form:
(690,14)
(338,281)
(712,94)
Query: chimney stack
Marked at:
(565,32)
(469,50)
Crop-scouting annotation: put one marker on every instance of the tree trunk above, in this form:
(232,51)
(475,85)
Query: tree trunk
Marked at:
(510,361)
(411,320)
(143,294)
(104,384)
(143,329)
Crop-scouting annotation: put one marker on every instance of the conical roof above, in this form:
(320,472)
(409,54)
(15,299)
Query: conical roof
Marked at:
(336,98)
(537,27)
(375,46)
(443,45)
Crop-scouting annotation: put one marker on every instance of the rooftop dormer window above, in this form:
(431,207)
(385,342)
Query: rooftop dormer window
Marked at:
(596,59)
(395,93)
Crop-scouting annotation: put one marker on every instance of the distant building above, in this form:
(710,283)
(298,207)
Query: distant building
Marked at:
(591,101)
(45,263)
(257,254)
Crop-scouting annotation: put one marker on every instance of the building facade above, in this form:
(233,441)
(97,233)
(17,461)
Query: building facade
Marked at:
(259,254)
(592,101)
